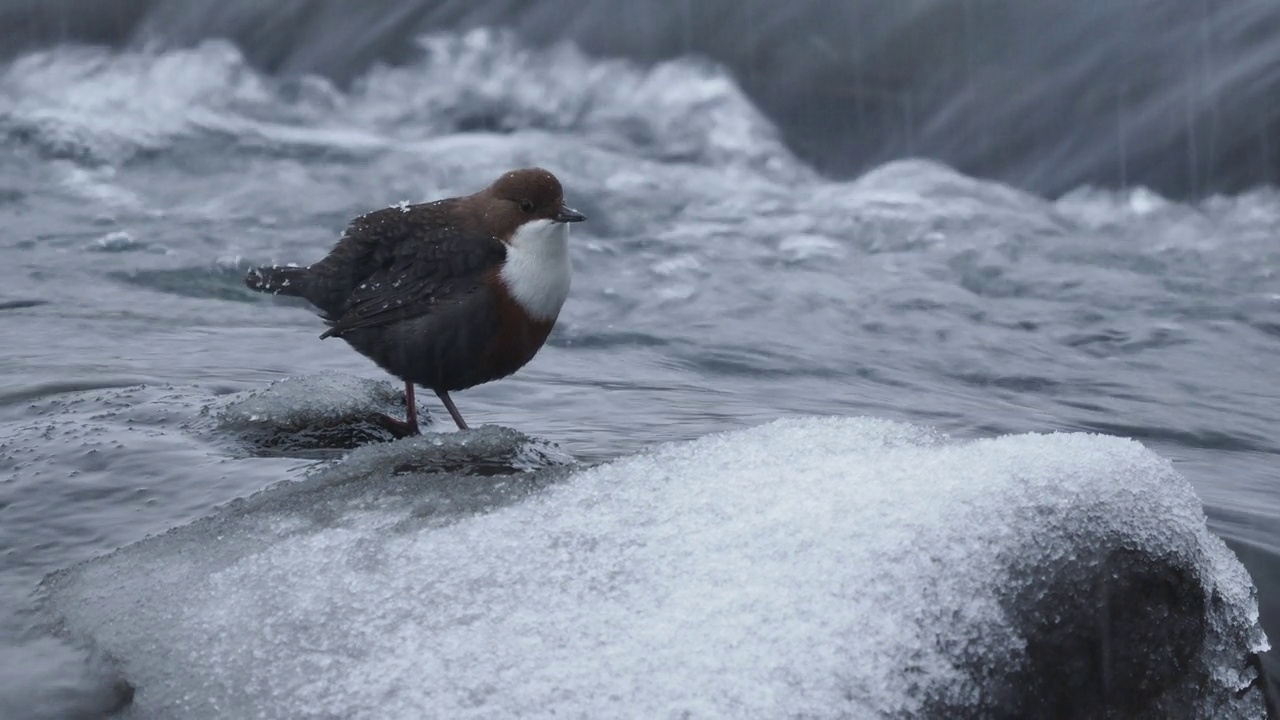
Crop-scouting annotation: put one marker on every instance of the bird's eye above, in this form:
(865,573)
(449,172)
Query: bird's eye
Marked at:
(526,206)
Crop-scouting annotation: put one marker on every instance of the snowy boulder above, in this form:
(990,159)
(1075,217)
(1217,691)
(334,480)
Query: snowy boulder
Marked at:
(805,568)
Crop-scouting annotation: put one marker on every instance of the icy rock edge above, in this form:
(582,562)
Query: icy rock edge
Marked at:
(815,567)
(320,412)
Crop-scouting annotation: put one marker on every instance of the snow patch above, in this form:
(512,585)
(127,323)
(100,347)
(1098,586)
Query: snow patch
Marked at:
(817,568)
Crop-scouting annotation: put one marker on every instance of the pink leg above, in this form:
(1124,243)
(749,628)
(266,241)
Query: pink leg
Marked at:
(453,409)
(402,428)
(412,407)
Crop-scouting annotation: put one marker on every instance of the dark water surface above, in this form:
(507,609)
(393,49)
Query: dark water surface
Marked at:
(724,278)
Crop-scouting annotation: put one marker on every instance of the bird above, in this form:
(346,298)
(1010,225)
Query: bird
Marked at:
(445,295)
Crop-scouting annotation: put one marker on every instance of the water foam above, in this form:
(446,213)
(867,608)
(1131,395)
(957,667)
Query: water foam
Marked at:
(102,106)
(94,104)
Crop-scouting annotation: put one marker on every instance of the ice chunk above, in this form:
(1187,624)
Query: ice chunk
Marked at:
(806,568)
(327,410)
(487,450)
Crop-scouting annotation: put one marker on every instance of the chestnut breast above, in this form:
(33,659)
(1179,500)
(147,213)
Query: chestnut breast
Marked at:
(517,336)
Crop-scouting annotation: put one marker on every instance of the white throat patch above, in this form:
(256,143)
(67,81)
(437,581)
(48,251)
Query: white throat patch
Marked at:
(537,270)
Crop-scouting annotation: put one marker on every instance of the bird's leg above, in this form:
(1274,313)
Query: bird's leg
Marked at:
(402,428)
(411,406)
(453,409)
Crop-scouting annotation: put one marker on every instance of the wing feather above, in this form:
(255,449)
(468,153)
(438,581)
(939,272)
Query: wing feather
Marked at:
(414,267)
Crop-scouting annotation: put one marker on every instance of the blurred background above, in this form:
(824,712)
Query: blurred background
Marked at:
(988,217)
(1048,96)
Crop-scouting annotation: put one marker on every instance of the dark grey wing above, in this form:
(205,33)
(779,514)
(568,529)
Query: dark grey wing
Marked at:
(419,276)
(372,243)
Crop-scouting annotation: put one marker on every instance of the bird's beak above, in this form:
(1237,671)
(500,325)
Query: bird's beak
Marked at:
(568,214)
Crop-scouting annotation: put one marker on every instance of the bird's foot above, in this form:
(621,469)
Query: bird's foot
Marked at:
(398,428)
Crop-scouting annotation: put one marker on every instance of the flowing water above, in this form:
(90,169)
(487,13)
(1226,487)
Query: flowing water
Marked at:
(744,259)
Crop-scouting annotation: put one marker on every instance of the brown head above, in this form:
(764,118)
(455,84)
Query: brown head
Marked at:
(523,195)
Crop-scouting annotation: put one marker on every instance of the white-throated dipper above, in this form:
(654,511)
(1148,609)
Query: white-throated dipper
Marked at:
(448,294)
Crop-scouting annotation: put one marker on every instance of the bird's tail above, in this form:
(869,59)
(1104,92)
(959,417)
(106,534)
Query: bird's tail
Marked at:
(279,280)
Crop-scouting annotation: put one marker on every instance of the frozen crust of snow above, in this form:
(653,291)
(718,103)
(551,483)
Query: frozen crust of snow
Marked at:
(825,567)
